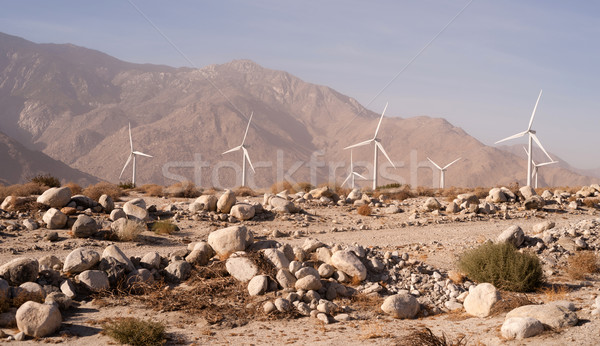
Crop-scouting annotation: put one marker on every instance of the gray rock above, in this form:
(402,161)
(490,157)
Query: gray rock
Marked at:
(113,251)
(534,203)
(29,291)
(282,205)
(141,276)
(432,204)
(84,201)
(306,271)
(283,305)
(513,235)
(241,268)
(80,259)
(209,202)
(226,201)
(68,288)
(107,203)
(527,192)
(401,306)
(349,263)
(229,240)
(30,224)
(94,280)
(258,285)
(136,208)
(481,299)
(269,307)
(521,328)
(285,278)
(60,299)
(311,244)
(326,270)
(543,226)
(151,260)
(55,197)
(242,211)
(38,320)
(54,218)
(201,254)
(50,262)
(20,270)
(550,315)
(84,227)
(497,196)
(116,214)
(178,271)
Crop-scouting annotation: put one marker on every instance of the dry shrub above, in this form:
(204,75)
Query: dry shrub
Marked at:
(424,191)
(152,190)
(425,337)
(509,302)
(74,187)
(244,191)
(481,192)
(503,266)
(303,186)
(581,264)
(133,331)
(126,185)
(186,189)
(371,331)
(282,185)
(572,198)
(364,210)
(555,292)
(591,202)
(130,230)
(164,227)
(21,190)
(103,188)
(46,180)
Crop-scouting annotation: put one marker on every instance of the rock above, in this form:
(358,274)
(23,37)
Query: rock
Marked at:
(258,285)
(113,251)
(283,305)
(453,305)
(178,271)
(311,244)
(568,244)
(527,192)
(30,224)
(20,270)
(306,271)
(432,204)
(54,219)
(241,268)
(513,235)
(151,260)
(60,299)
(50,262)
(107,203)
(136,208)
(229,240)
(471,198)
(55,197)
(269,307)
(29,291)
(550,315)
(94,280)
(534,203)
(226,201)
(497,196)
(326,270)
(83,201)
(201,254)
(116,214)
(452,208)
(80,259)
(480,300)
(68,288)
(242,211)
(354,195)
(349,263)
(547,194)
(209,202)
(140,276)
(38,320)
(51,236)
(285,278)
(276,258)
(401,306)
(307,283)
(521,328)
(84,227)
(543,226)
(282,205)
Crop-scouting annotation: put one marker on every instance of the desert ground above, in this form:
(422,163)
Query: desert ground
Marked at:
(210,307)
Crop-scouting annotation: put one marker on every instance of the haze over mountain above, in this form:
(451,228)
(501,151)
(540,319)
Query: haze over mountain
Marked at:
(74,104)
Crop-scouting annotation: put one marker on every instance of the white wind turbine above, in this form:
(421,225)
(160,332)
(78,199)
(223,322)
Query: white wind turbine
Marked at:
(532,136)
(536,167)
(442,171)
(245,155)
(352,174)
(132,154)
(378,146)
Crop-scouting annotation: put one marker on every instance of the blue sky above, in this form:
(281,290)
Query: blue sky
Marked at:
(483,73)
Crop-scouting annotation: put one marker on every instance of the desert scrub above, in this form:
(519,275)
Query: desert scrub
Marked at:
(364,210)
(130,230)
(74,187)
(244,191)
(46,180)
(185,189)
(426,337)
(152,190)
(503,266)
(103,188)
(164,227)
(581,264)
(282,185)
(135,332)
(126,185)
(21,190)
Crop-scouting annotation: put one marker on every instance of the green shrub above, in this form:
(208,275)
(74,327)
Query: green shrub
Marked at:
(46,180)
(135,332)
(164,227)
(126,185)
(503,266)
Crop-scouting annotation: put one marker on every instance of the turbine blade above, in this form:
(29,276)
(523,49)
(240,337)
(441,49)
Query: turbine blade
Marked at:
(140,153)
(384,153)
(126,163)
(540,145)
(534,109)
(520,134)
(359,144)
(247,127)
(358,175)
(451,163)
(547,163)
(130,138)
(526,151)
(435,164)
(246,156)
(232,150)
(380,119)
(346,180)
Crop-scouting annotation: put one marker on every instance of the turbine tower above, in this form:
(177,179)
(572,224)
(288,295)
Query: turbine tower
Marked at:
(132,154)
(377,146)
(442,170)
(245,155)
(536,167)
(533,137)
(352,174)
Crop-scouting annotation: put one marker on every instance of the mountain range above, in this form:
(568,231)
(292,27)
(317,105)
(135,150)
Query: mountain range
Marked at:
(74,104)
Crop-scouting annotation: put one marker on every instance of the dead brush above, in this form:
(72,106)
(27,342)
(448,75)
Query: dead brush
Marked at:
(130,230)
(282,185)
(423,191)
(47,180)
(186,189)
(134,331)
(303,186)
(509,302)
(555,292)
(591,202)
(426,337)
(244,191)
(21,190)
(581,264)
(103,188)
(152,190)
(372,331)
(74,187)
(364,210)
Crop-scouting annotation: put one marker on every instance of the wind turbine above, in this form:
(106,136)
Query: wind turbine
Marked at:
(536,167)
(352,173)
(245,155)
(442,170)
(378,146)
(132,154)
(532,136)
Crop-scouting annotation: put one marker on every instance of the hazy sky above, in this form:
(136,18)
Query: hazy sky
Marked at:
(483,73)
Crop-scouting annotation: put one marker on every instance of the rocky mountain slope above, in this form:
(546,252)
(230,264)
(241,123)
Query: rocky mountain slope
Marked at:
(74,104)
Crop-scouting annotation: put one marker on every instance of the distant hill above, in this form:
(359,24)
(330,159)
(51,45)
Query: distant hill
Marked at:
(74,104)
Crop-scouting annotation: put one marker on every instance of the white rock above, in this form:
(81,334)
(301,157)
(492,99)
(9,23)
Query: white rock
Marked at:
(543,226)
(432,204)
(258,285)
(521,328)
(107,203)
(136,208)
(226,201)
(401,306)
(116,214)
(95,280)
(113,251)
(241,268)
(480,300)
(349,263)
(55,197)
(308,283)
(54,219)
(276,258)
(229,240)
(285,278)
(527,192)
(151,260)
(326,270)
(208,201)
(242,211)
(551,315)
(513,234)
(306,271)
(38,320)
(282,305)
(80,259)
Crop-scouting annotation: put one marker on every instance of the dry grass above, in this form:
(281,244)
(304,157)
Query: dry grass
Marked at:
(133,331)
(244,191)
(303,186)
(509,302)
(554,292)
(425,337)
(130,231)
(372,331)
(21,190)
(152,190)
(424,191)
(364,210)
(282,185)
(164,227)
(75,188)
(581,264)
(591,202)
(186,189)
(47,180)
(103,188)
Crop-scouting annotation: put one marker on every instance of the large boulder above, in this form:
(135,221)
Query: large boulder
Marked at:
(80,259)
(107,203)
(497,196)
(136,208)
(258,285)
(54,219)
(242,211)
(201,254)
(229,240)
(84,227)
(209,202)
(432,204)
(481,299)
(95,280)
(527,192)
(20,270)
(178,271)
(38,320)
(521,328)
(241,268)
(226,201)
(401,306)
(513,235)
(55,197)
(276,258)
(281,205)
(534,203)
(349,263)
(554,316)
(113,251)
(307,283)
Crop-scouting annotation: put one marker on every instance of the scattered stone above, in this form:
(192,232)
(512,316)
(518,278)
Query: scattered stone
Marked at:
(116,214)
(527,192)
(241,268)
(307,283)
(201,254)
(84,227)
(60,299)
(151,260)
(136,208)
(242,211)
(178,271)
(347,262)
(94,280)
(551,315)
(226,201)
(258,285)
(107,203)
(521,328)
(229,240)
(80,259)
(543,226)
(113,251)
(432,204)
